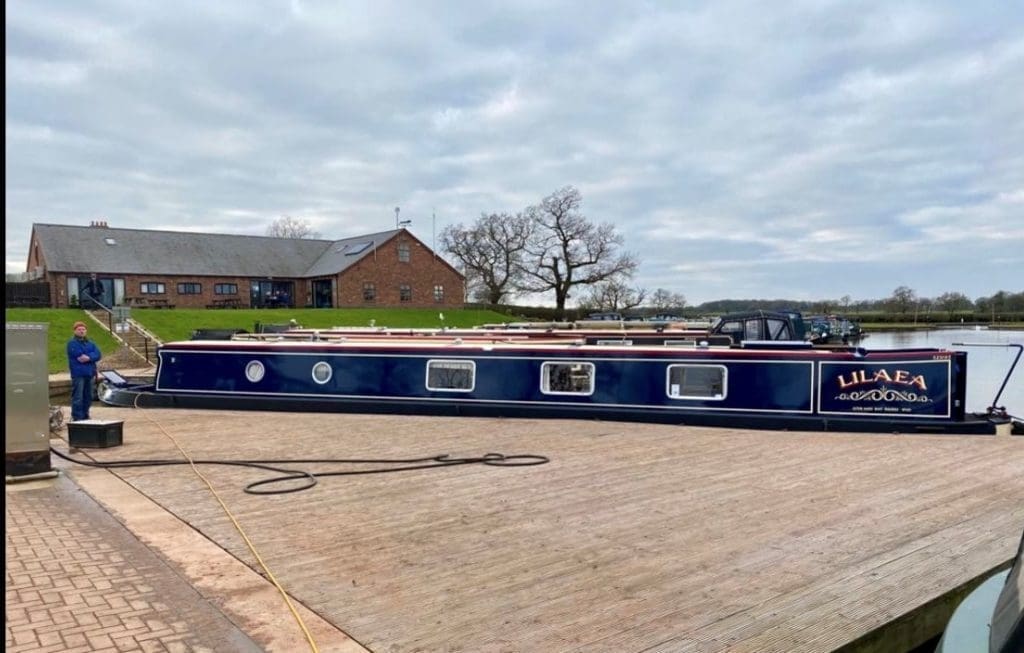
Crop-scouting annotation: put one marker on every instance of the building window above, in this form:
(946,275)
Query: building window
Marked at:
(405,293)
(190,289)
(569,378)
(696,382)
(225,288)
(455,376)
(369,292)
(438,294)
(357,248)
(151,288)
(403,252)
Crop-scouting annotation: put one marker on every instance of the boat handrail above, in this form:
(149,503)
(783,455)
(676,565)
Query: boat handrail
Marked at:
(776,344)
(994,407)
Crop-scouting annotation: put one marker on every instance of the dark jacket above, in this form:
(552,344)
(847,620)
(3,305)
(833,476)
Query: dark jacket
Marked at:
(78,347)
(93,288)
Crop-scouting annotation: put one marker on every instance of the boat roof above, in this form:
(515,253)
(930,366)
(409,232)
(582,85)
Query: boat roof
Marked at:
(752,349)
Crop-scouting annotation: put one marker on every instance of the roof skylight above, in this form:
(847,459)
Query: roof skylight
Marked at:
(358,248)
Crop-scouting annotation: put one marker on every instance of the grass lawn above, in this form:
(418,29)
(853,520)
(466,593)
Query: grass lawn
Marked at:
(61,320)
(178,324)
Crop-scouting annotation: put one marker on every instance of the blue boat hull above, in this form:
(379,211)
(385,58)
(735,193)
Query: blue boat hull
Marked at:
(908,391)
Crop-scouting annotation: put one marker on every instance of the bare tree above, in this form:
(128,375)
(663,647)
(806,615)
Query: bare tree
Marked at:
(567,250)
(288,227)
(902,298)
(491,250)
(666,301)
(951,302)
(614,295)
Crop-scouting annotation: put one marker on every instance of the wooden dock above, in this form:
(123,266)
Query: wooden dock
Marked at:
(633,538)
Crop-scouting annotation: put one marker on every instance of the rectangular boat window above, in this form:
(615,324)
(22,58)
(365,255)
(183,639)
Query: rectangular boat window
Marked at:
(455,376)
(753,330)
(733,329)
(696,381)
(569,378)
(681,343)
(613,343)
(779,330)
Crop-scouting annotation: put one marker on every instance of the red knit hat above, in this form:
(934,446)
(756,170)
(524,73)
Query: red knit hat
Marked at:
(78,324)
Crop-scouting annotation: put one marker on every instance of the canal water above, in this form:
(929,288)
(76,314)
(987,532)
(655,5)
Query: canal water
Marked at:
(986,366)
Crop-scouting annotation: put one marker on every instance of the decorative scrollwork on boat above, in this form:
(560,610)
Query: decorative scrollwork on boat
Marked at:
(884,394)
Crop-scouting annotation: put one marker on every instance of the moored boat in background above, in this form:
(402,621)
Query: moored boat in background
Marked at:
(833,329)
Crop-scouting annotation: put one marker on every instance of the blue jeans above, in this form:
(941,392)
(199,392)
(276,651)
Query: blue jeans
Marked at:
(81,397)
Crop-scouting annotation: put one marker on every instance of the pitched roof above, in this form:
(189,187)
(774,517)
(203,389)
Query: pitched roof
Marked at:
(343,253)
(142,251)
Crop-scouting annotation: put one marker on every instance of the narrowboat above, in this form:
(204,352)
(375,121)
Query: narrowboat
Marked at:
(773,384)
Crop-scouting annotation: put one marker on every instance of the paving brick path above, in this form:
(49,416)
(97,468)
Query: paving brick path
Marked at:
(77,580)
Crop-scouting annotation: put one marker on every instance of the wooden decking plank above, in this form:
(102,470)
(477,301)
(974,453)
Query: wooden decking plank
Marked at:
(634,537)
(848,602)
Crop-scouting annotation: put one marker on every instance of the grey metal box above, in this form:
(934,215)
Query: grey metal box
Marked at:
(95,433)
(27,413)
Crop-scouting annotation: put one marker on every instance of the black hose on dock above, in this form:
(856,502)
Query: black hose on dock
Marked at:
(310,478)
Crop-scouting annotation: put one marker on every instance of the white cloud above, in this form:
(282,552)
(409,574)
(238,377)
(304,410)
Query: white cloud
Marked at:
(740,149)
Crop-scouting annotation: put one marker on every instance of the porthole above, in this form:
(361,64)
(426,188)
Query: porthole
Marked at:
(322,372)
(254,371)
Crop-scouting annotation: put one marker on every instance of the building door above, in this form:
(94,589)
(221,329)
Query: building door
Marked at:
(95,290)
(257,293)
(272,294)
(322,294)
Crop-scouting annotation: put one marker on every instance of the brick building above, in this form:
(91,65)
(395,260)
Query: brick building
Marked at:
(140,267)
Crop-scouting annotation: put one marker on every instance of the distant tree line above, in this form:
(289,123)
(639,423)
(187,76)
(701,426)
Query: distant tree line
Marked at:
(902,306)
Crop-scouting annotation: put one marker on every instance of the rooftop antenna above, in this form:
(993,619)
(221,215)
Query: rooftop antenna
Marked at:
(400,223)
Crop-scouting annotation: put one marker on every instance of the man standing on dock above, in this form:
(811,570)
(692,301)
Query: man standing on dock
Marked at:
(83,354)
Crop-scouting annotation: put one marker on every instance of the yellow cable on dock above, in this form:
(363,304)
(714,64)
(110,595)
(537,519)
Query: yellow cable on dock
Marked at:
(252,548)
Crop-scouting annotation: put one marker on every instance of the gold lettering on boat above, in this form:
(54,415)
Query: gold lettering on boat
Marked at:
(899,377)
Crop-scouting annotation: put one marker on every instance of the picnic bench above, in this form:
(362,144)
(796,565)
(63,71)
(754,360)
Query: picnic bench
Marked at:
(159,302)
(227,302)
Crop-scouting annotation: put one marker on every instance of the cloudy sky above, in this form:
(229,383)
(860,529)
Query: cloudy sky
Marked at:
(806,150)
